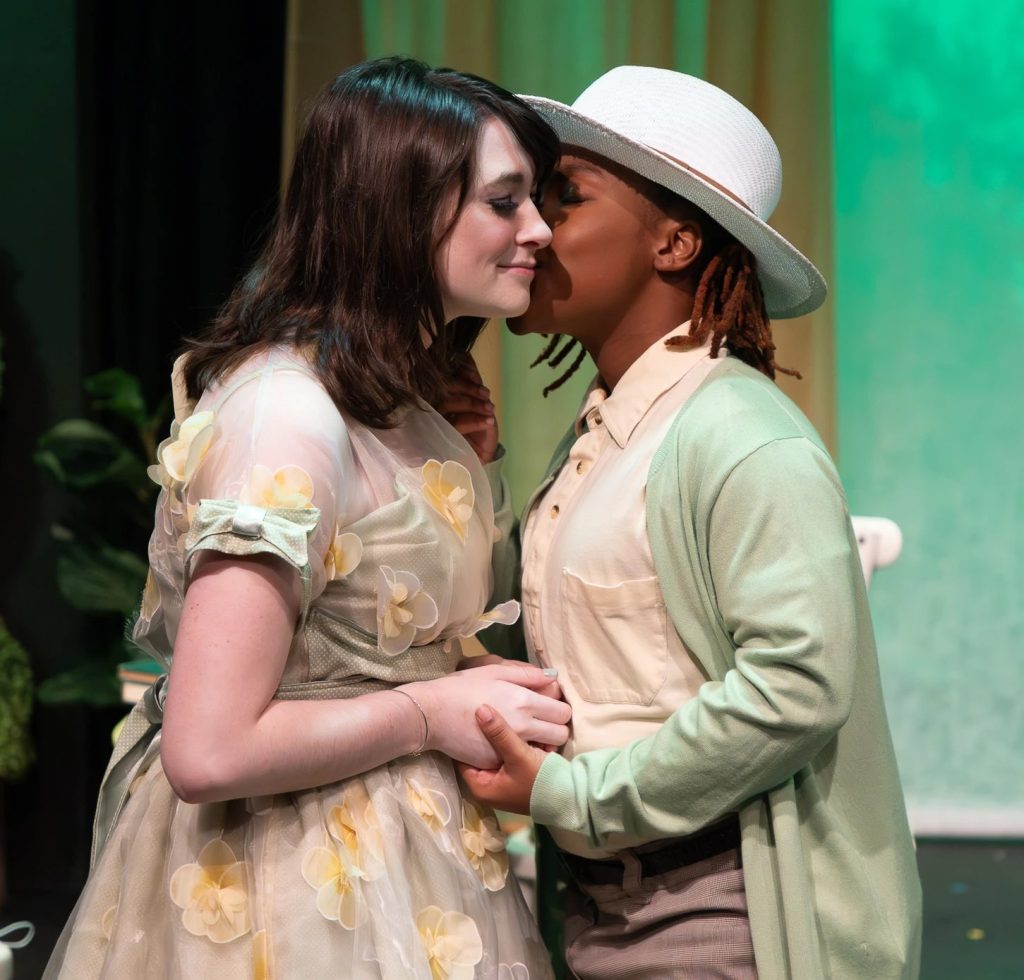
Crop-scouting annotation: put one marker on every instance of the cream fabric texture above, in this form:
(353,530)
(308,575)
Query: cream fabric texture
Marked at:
(387,874)
(592,604)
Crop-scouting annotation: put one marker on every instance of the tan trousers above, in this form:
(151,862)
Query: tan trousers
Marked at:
(690,923)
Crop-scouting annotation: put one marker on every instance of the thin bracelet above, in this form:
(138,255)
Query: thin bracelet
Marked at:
(426,724)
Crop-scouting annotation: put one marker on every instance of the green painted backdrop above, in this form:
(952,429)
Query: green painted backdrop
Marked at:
(930,343)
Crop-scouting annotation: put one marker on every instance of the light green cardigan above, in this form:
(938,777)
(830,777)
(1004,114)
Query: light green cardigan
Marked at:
(755,555)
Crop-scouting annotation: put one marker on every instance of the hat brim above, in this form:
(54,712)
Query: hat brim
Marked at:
(792,286)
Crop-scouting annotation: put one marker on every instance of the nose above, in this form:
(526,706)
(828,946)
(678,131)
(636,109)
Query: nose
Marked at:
(533,230)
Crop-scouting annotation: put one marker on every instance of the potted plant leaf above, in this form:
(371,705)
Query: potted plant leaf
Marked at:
(101,538)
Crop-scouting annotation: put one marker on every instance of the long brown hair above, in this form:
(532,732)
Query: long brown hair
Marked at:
(349,268)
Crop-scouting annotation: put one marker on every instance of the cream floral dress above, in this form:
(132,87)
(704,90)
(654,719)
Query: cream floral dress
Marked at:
(392,873)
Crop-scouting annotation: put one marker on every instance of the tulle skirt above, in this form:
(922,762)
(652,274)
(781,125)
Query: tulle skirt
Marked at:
(390,874)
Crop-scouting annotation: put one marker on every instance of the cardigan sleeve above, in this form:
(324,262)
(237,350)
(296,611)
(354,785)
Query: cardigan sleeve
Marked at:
(779,582)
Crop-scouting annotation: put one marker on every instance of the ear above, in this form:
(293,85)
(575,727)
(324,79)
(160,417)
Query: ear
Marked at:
(678,245)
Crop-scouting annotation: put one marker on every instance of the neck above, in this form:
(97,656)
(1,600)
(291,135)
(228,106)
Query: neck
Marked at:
(616,346)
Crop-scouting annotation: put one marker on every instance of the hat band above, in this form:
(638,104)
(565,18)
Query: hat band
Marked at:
(707,180)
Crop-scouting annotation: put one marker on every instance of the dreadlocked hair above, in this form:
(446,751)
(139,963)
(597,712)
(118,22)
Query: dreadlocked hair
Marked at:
(553,359)
(729,305)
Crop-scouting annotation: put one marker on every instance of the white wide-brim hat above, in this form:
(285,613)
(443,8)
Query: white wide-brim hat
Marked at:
(698,141)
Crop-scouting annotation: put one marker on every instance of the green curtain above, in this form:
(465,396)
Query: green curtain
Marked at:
(930,294)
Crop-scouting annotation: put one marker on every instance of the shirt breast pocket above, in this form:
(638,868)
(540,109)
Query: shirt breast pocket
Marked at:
(613,638)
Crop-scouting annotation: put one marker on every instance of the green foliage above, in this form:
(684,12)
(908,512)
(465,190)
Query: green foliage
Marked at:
(100,578)
(15,707)
(118,392)
(81,454)
(101,540)
(92,681)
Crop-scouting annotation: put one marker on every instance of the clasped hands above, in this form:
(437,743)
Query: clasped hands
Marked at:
(497,721)
(507,786)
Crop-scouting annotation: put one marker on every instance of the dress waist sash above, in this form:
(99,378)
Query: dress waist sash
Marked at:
(138,742)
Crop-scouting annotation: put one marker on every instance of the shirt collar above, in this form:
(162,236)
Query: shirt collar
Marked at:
(654,372)
(594,397)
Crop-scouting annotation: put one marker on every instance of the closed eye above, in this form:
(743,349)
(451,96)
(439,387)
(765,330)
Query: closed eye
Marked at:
(570,194)
(561,189)
(504,205)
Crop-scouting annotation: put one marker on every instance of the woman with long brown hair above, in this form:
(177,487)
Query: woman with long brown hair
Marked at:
(285,804)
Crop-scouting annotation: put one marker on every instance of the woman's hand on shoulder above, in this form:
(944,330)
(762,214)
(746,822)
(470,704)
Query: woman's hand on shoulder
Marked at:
(468,408)
(514,689)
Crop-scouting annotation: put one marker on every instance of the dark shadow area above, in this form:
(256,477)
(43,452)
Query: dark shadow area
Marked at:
(22,385)
(180,112)
(144,171)
(972,909)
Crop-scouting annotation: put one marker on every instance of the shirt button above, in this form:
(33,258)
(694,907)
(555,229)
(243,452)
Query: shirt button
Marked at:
(554,511)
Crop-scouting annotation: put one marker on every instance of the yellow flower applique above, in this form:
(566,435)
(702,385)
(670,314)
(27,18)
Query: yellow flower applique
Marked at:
(336,884)
(354,824)
(448,488)
(402,608)
(288,487)
(432,807)
(213,894)
(514,971)
(344,555)
(505,613)
(452,943)
(484,845)
(178,456)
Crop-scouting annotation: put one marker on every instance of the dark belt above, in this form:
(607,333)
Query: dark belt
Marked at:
(716,839)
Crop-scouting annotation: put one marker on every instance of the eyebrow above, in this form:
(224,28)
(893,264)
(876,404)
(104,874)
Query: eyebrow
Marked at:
(511,178)
(578,166)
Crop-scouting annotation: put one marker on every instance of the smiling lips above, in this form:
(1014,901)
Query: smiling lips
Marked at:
(524,269)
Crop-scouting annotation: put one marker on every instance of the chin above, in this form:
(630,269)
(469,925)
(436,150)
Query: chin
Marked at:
(528,321)
(514,312)
(503,309)
(518,325)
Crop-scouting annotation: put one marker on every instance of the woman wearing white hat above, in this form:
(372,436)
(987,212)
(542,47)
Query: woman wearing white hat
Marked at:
(728,803)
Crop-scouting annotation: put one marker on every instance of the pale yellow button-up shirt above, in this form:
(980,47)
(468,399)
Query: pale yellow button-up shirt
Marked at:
(592,605)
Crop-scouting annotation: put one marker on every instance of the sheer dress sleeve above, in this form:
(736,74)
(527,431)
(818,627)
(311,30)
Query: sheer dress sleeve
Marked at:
(269,458)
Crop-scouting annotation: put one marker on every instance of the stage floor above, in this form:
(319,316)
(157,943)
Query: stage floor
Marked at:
(973,900)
